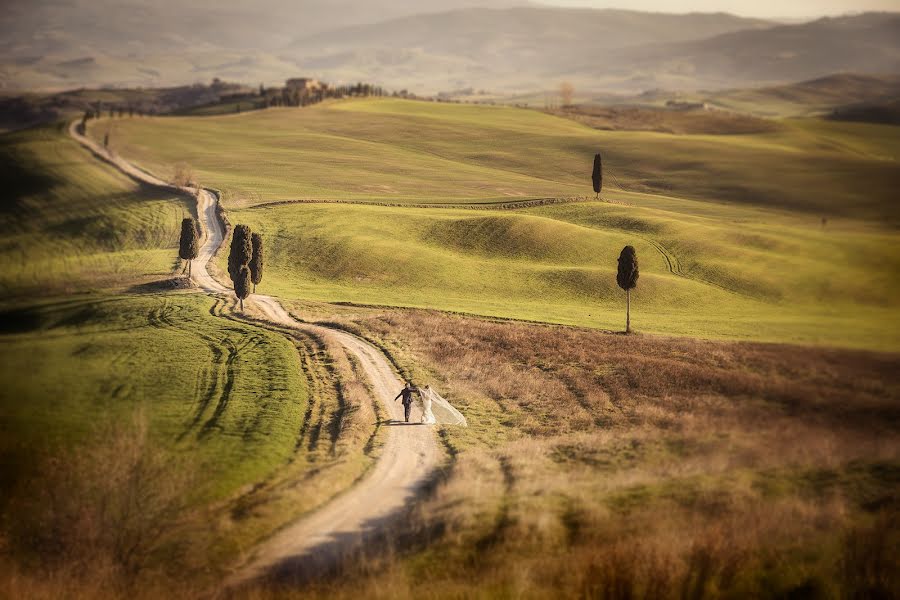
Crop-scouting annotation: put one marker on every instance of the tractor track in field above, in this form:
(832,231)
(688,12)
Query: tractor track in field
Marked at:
(217,380)
(674,267)
(408,457)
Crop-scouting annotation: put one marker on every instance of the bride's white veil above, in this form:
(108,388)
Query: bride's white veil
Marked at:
(436,409)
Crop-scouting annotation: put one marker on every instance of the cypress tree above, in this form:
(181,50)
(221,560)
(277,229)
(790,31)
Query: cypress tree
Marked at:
(189,246)
(627,279)
(242,285)
(256,261)
(241,250)
(597,175)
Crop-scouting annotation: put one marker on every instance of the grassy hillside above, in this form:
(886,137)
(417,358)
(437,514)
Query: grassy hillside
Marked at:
(74,224)
(649,466)
(782,280)
(203,382)
(721,253)
(235,414)
(413,152)
(816,96)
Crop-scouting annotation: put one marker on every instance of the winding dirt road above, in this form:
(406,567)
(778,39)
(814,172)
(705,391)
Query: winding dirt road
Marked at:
(408,457)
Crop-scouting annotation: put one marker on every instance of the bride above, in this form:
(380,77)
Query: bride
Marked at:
(432,403)
(427,400)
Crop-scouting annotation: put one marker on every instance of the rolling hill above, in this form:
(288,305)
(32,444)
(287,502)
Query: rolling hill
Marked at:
(53,44)
(868,43)
(97,342)
(528,48)
(518,46)
(72,225)
(433,153)
(815,96)
(427,47)
(724,252)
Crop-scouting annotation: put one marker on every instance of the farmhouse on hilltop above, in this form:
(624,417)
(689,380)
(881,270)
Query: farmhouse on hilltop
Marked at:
(304,84)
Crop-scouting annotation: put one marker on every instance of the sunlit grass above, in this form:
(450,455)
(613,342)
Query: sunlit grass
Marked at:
(72,223)
(410,152)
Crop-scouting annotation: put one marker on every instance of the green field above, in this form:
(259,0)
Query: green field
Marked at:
(728,228)
(699,276)
(78,355)
(399,151)
(227,394)
(75,224)
(89,346)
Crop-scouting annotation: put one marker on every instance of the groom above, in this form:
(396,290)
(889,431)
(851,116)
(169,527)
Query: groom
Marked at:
(406,393)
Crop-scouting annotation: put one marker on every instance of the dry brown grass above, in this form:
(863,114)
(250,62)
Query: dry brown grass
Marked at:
(101,520)
(612,466)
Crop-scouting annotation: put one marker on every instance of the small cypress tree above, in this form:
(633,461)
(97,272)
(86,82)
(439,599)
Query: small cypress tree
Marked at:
(241,250)
(242,285)
(627,279)
(189,246)
(597,175)
(256,261)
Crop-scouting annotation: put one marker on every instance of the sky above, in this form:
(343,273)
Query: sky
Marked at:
(792,9)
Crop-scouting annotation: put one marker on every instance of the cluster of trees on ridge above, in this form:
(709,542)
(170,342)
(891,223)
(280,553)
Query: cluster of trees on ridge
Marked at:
(245,261)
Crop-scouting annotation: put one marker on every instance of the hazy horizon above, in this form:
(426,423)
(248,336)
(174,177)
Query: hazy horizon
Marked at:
(435,46)
(764,9)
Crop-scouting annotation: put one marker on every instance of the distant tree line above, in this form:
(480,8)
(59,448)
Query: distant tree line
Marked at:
(288,96)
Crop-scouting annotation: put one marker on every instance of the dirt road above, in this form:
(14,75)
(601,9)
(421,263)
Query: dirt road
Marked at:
(408,457)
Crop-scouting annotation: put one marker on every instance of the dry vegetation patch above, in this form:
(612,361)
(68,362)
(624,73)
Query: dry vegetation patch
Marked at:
(615,466)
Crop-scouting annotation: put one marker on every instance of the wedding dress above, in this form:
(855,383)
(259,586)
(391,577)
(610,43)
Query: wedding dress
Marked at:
(436,410)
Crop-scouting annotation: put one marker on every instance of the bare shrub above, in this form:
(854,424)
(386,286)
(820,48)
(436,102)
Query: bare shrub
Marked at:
(102,511)
(183,175)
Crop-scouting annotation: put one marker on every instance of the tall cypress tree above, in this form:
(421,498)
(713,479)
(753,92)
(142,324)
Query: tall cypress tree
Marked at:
(627,279)
(256,261)
(242,285)
(241,250)
(189,246)
(597,175)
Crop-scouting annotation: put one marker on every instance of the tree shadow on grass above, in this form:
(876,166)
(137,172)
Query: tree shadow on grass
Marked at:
(162,285)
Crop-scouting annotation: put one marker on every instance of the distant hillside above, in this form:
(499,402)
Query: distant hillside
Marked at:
(61,44)
(528,48)
(864,43)
(816,96)
(887,113)
(512,48)
(502,46)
